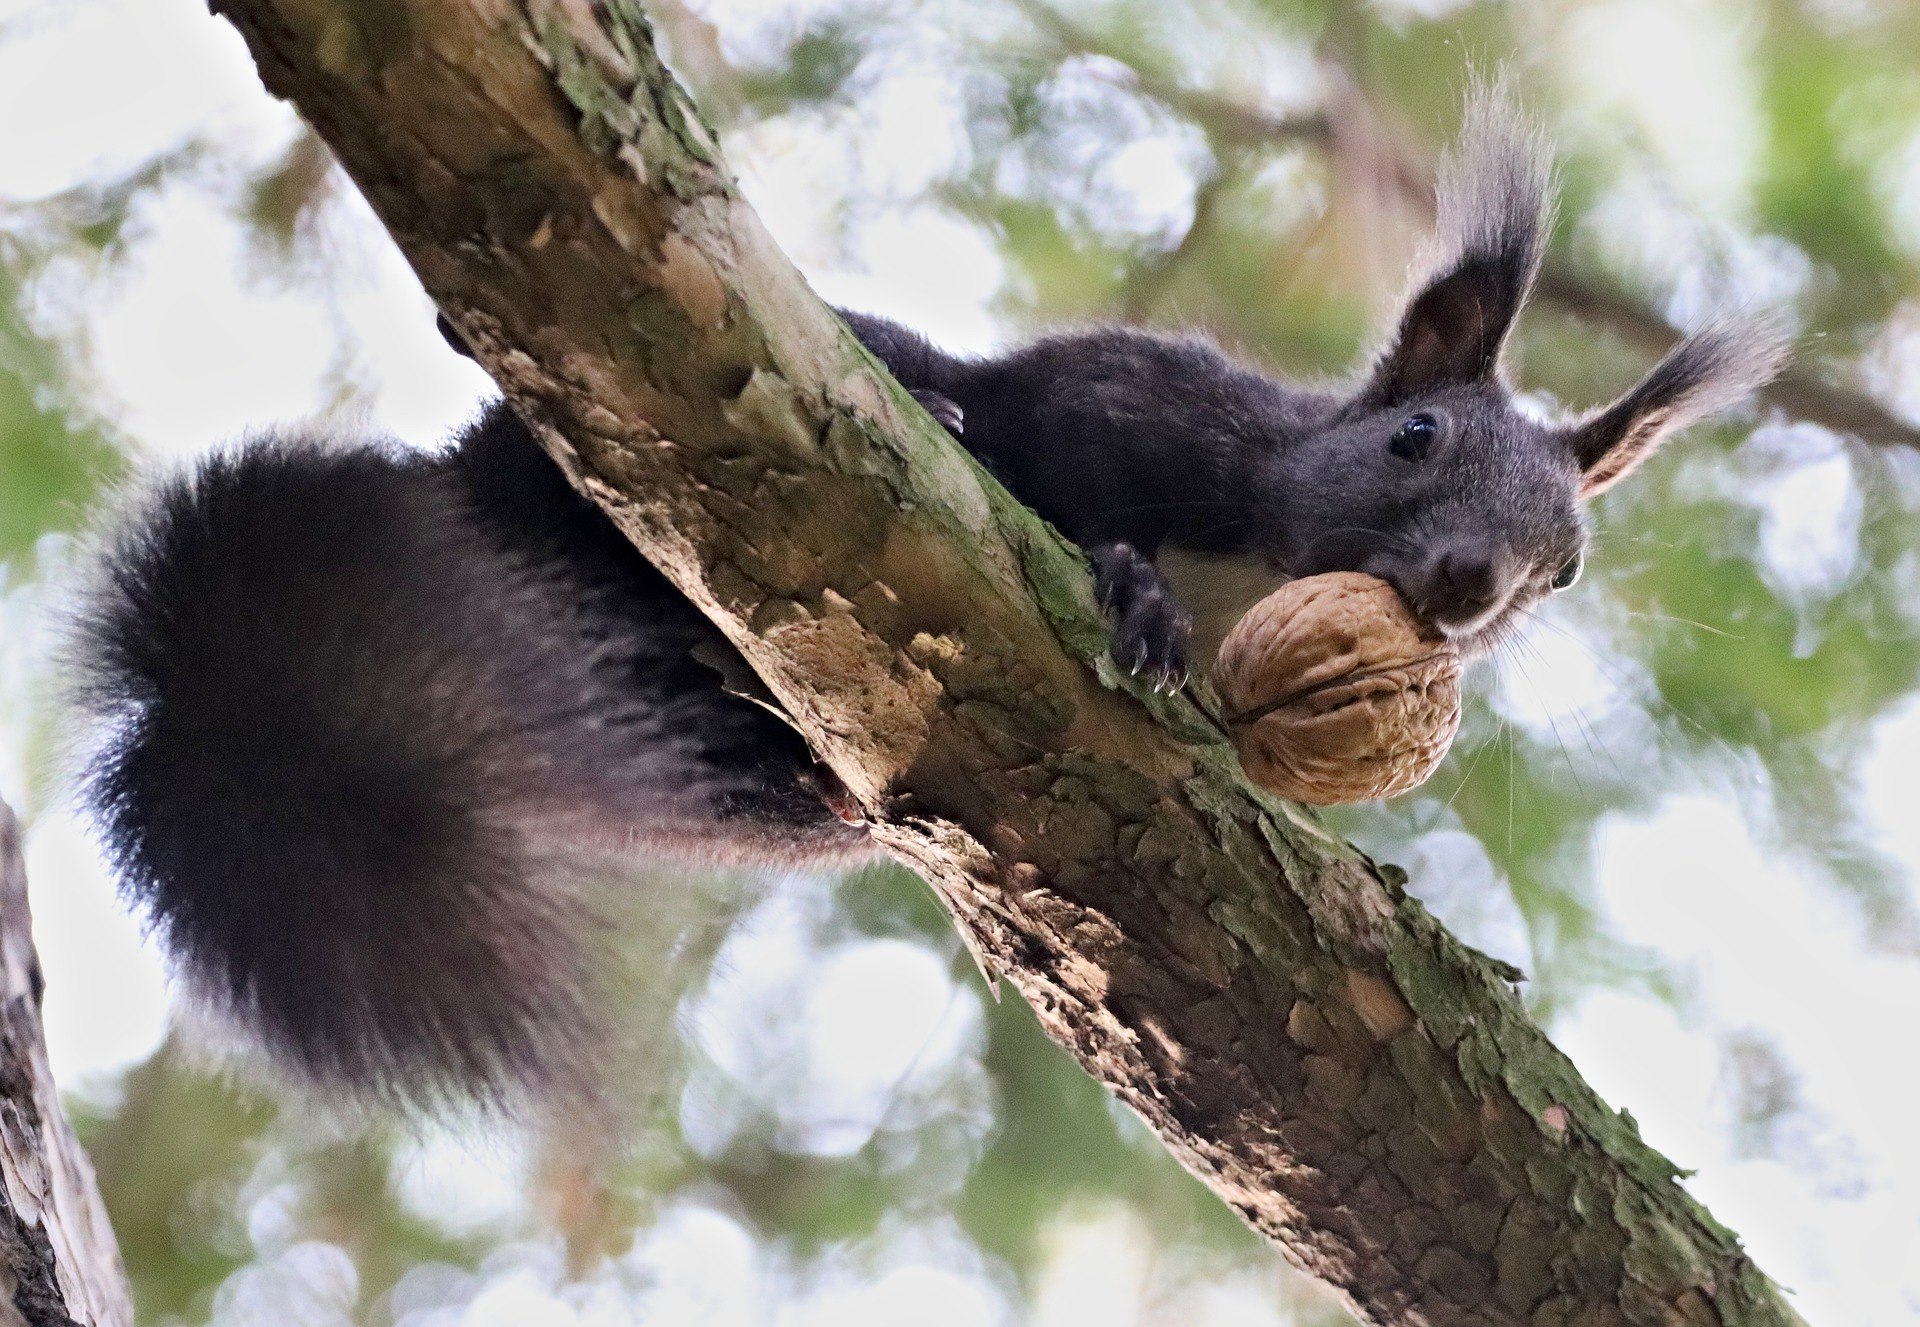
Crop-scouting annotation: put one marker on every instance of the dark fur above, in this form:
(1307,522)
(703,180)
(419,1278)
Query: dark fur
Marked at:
(354,702)
(359,705)
(1132,443)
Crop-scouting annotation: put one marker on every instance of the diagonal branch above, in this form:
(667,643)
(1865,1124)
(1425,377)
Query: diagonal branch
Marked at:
(1362,1089)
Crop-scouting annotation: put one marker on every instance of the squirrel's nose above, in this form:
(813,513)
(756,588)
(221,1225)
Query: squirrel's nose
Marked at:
(1457,587)
(1469,578)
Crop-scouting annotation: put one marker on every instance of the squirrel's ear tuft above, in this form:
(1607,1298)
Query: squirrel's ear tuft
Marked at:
(1495,210)
(1710,370)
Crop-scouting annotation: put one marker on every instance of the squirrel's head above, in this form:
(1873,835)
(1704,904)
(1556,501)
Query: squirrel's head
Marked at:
(1430,475)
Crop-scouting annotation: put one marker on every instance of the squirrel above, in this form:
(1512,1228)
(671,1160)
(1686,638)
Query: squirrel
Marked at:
(355,703)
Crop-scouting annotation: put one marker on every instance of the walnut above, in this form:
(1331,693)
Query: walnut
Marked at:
(1335,693)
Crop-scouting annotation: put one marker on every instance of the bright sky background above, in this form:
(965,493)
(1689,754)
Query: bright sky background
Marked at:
(189,345)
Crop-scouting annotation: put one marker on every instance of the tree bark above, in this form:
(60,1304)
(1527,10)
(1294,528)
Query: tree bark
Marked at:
(1364,1090)
(59,1264)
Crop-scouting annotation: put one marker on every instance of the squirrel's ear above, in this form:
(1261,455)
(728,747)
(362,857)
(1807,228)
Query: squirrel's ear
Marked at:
(1494,214)
(1707,372)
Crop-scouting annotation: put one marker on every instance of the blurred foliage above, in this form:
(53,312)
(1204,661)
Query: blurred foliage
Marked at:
(1282,143)
(51,463)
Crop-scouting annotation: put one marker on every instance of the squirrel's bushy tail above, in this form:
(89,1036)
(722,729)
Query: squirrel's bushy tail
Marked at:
(342,727)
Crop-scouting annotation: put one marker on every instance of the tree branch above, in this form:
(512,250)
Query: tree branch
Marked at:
(57,1252)
(1229,119)
(1803,392)
(1364,1090)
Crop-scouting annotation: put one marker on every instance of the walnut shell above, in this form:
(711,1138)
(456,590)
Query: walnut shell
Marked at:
(1335,693)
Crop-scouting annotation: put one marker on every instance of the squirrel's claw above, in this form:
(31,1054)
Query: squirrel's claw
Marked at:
(1151,628)
(945,410)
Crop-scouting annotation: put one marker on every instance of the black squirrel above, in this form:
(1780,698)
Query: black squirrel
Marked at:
(356,704)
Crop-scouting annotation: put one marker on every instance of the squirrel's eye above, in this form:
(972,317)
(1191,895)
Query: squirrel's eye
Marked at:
(1564,578)
(1412,439)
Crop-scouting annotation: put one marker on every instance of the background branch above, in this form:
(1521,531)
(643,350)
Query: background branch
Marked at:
(57,1250)
(1804,391)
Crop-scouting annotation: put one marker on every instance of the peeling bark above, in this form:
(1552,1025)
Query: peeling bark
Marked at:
(1363,1089)
(59,1264)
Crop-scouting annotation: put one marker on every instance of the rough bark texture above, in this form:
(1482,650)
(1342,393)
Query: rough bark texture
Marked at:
(59,1264)
(1362,1088)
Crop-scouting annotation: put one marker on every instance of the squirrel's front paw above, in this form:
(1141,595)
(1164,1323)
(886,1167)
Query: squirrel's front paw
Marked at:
(1150,628)
(944,409)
